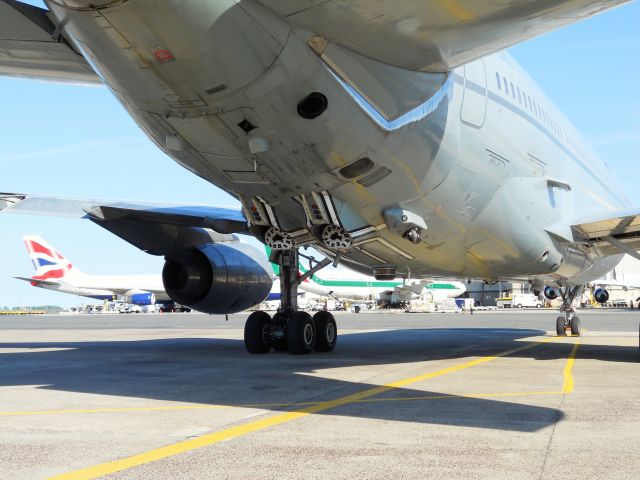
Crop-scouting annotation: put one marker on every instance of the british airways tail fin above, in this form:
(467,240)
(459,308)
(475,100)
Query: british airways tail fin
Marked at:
(48,262)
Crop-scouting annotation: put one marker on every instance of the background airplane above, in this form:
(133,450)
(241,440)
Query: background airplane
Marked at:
(55,272)
(384,134)
(342,283)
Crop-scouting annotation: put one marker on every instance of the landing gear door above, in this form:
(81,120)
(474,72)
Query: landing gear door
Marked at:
(474,100)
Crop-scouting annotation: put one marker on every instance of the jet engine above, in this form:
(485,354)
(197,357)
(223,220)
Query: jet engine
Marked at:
(551,293)
(140,297)
(601,295)
(217,278)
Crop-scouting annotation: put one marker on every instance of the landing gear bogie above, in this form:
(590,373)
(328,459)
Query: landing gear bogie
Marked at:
(571,326)
(290,329)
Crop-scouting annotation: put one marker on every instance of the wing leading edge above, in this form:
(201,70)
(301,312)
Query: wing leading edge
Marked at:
(154,228)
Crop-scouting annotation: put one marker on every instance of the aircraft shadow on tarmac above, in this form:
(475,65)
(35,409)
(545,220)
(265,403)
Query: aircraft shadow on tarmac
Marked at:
(220,371)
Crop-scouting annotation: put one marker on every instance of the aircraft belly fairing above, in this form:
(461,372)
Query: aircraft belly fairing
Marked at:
(222,86)
(264,153)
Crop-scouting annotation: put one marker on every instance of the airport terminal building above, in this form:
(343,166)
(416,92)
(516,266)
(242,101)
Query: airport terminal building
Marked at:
(627,273)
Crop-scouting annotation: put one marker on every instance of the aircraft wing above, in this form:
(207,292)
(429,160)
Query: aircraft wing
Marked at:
(154,228)
(433,36)
(31,46)
(613,232)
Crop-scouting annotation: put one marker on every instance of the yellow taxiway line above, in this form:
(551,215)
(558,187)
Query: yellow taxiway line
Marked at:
(567,386)
(254,426)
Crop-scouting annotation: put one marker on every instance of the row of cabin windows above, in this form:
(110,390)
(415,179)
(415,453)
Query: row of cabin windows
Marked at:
(533,107)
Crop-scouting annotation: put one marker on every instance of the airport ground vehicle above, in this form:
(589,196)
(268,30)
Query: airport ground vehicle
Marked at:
(525,300)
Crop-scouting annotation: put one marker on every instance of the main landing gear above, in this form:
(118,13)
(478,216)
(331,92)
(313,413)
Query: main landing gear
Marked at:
(570,322)
(291,329)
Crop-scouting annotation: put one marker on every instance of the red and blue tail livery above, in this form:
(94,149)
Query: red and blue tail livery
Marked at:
(48,262)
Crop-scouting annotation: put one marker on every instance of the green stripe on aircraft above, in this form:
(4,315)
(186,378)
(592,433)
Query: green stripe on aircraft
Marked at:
(357,283)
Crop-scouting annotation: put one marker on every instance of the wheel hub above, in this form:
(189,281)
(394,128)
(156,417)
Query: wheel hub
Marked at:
(308,334)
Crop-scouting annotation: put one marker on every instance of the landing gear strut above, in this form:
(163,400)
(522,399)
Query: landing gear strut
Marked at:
(291,329)
(570,321)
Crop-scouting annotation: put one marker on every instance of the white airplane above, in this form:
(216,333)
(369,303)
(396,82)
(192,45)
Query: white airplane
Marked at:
(343,284)
(388,135)
(55,272)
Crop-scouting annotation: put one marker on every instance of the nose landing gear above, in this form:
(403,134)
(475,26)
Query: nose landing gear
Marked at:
(291,329)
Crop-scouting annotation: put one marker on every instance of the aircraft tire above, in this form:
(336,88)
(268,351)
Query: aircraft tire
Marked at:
(560,331)
(326,332)
(257,333)
(575,327)
(301,333)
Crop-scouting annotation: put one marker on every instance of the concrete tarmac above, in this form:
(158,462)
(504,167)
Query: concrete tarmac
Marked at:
(489,395)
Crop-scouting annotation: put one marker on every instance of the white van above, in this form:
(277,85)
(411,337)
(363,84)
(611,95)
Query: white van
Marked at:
(522,300)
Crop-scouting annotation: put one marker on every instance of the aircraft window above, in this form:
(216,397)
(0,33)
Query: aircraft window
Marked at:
(506,86)
(513,90)
(498,81)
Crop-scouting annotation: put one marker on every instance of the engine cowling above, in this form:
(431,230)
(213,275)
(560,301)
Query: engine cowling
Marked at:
(551,293)
(140,297)
(217,278)
(601,295)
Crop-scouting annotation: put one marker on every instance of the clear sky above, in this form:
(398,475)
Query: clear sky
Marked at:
(78,141)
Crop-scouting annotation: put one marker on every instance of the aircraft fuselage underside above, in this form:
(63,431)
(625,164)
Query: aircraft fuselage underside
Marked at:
(397,172)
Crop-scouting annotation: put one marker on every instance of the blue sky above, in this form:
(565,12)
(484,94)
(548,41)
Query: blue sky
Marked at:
(78,141)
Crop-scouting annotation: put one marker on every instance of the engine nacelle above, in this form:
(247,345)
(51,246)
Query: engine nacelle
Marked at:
(140,297)
(551,293)
(601,295)
(217,278)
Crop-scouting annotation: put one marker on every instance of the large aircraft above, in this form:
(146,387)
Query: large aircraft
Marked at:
(55,272)
(394,137)
(344,284)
